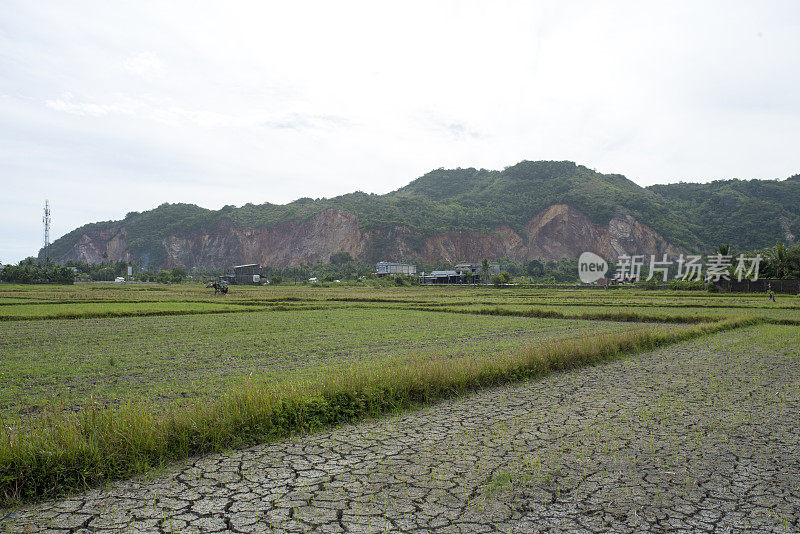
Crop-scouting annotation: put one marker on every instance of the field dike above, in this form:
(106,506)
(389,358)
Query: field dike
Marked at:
(591,316)
(65,452)
(242,308)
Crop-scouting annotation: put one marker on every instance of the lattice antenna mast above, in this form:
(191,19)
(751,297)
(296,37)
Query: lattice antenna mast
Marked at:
(46,221)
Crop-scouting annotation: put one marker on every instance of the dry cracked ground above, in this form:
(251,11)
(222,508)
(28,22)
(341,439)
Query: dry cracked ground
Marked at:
(701,436)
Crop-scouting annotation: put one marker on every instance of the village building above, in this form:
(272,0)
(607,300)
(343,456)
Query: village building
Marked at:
(477,268)
(441,277)
(385,268)
(463,273)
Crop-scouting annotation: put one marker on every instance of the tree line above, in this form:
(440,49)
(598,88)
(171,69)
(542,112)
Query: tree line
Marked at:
(780,261)
(31,271)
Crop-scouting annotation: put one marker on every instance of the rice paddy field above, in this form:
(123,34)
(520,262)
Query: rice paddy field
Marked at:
(88,365)
(64,364)
(72,346)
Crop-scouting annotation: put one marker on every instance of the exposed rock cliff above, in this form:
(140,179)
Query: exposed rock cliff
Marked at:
(288,244)
(96,246)
(558,232)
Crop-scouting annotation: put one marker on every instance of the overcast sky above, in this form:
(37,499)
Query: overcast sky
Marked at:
(114,106)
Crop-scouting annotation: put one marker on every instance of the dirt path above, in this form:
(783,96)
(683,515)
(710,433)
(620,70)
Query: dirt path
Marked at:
(702,436)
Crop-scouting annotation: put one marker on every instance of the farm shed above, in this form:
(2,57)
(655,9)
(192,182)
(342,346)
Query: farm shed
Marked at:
(247,274)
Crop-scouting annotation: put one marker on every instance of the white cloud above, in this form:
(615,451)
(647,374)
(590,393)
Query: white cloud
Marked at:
(67,104)
(303,121)
(145,64)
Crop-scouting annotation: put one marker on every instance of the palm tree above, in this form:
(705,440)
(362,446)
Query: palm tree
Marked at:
(779,259)
(725,250)
(485,271)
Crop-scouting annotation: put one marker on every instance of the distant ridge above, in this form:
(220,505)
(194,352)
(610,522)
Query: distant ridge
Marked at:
(534,209)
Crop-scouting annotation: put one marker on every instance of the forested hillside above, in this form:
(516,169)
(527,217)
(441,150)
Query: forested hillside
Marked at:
(468,202)
(748,214)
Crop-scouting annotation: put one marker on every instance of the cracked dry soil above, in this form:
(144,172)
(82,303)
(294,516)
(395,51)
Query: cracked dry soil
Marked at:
(701,436)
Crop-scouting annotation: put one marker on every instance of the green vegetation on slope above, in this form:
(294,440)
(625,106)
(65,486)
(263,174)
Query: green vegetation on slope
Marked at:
(743,213)
(698,217)
(515,195)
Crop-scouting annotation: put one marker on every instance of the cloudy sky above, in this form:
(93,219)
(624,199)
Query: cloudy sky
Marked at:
(114,106)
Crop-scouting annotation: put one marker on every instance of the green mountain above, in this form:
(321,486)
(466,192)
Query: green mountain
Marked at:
(749,214)
(544,209)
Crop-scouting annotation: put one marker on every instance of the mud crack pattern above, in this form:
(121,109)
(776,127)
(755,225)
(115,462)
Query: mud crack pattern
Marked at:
(697,437)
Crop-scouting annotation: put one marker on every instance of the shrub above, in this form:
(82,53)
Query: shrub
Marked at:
(687,285)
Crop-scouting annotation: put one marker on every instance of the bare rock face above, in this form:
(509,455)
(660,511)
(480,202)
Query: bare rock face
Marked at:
(99,246)
(558,232)
(285,245)
(460,246)
(628,236)
(563,232)
(787,232)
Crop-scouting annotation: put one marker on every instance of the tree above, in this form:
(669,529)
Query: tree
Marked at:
(485,270)
(509,266)
(35,273)
(779,260)
(61,274)
(178,274)
(406,280)
(534,268)
(793,262)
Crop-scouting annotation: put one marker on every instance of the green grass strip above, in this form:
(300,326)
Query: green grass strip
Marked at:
(65,452)
(593,316)
(790,322)
(150,313)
